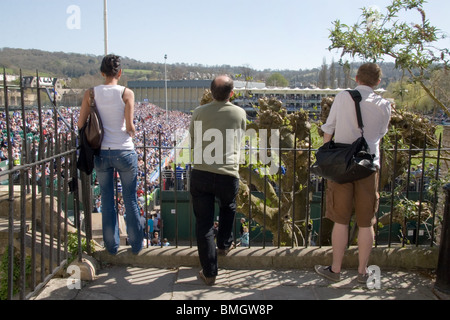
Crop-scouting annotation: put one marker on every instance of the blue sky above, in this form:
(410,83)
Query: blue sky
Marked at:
(262,34)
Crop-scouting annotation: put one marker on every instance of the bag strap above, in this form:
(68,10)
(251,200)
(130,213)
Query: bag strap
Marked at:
(92,98)
(356,96)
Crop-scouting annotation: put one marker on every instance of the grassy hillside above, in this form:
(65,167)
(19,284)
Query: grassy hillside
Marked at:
(74,65)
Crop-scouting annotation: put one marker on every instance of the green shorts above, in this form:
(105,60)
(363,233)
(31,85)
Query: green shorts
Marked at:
(361,194)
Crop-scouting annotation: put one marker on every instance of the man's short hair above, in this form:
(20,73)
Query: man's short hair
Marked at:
(369,74)
(221,90)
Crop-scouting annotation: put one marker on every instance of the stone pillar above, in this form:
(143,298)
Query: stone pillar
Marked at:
(445,144)
(444,166)
(442,284)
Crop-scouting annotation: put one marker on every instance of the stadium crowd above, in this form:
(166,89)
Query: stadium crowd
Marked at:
(150,120)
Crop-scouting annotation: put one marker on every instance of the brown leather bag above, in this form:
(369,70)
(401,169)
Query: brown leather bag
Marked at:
(94,127)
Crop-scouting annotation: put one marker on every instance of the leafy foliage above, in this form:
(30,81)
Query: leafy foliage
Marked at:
(4,263)
(72,246)
(413,45)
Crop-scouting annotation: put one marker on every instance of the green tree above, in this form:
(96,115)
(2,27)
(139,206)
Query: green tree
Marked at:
(347,68)
(440,82)
(333,80)
(323,82)
(277,80)
(413,45)
(411,96)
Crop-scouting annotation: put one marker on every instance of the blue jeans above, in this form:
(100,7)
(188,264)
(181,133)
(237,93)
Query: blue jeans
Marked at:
(125,162)
(205,188)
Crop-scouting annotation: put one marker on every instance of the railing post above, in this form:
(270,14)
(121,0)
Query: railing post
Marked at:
(86,190)
(443,268)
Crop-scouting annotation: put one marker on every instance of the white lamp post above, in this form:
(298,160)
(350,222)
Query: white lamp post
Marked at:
(105,5)
(165,77)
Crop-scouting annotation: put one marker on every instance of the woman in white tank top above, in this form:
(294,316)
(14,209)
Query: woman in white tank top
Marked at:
(115,104)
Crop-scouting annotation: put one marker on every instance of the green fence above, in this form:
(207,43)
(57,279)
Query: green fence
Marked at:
(183,223)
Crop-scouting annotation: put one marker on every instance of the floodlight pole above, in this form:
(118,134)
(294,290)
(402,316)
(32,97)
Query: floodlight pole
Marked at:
(165,80)
(105,5)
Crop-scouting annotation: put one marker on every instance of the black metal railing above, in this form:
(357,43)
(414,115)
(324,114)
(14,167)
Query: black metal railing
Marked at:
(41,163)
(416,189)
(38,232)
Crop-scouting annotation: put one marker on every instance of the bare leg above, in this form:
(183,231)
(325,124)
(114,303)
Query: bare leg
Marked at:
(339,240)
(365,243)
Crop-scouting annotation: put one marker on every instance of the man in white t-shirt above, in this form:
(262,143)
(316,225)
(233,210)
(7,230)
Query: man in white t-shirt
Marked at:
(362,194)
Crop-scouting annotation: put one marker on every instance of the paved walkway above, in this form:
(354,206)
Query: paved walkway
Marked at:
(137,283)
(122,278)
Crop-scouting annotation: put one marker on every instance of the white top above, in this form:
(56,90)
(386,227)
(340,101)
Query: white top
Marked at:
(111,108)
(375,112)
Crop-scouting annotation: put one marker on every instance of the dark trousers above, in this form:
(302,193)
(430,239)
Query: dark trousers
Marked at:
(205,188)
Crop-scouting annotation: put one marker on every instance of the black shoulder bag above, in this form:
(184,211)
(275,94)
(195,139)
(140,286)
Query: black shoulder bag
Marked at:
(343,163)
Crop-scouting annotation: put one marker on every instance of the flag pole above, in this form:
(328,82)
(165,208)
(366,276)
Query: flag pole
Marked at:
(106,25)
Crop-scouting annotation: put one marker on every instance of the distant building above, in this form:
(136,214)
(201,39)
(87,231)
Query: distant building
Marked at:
(71,97)
(51,88)
(9,78)
(293,99)
(182,95)
(185,95)
(44,82)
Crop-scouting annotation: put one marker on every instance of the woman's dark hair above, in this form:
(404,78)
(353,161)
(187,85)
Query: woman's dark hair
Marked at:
(111,65)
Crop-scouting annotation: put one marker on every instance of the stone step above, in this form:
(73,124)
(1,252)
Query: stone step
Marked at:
(4,228)
(408,258)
